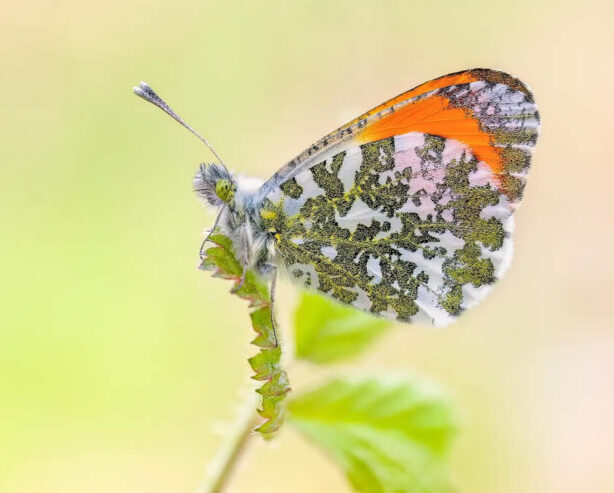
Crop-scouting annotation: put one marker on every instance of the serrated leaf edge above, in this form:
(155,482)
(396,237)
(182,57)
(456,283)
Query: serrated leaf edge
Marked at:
(221,261)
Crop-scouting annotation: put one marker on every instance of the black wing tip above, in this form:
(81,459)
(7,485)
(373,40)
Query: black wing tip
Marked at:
(495,76)
(500,77)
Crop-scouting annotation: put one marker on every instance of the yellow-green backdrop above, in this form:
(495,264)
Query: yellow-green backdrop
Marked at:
(118,357)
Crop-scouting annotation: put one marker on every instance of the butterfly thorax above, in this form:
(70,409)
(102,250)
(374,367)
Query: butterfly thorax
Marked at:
(236,198)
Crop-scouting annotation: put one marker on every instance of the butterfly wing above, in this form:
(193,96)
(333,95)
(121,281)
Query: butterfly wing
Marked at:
(406,211)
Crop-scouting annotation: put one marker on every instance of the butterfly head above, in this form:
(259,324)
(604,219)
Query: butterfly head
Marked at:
(215,185)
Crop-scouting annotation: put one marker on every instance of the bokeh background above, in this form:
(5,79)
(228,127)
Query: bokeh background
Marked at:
(118,357)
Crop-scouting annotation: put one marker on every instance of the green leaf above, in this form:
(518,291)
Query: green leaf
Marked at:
(389,435)
(326,331)
(266,364)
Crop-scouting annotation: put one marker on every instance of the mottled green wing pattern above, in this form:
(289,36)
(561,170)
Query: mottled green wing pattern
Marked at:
(413,227)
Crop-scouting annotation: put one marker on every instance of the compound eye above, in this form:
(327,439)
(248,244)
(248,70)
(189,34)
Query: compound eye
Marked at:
(224,189)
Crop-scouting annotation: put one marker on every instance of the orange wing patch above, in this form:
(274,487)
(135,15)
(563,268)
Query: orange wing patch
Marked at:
(434,115)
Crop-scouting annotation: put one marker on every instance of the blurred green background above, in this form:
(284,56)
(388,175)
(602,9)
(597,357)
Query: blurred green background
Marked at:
(118,357)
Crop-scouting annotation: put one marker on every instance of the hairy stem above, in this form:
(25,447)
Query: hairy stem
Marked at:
(221,468)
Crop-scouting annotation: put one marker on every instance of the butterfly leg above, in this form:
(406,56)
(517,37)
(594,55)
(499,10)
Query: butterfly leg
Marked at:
(273,269)
(243,275)
(202,245)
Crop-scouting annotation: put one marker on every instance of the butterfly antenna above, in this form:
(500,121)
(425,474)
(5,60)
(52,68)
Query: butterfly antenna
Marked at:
(148,94)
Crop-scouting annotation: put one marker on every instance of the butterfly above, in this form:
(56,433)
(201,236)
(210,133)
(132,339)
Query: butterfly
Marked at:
(405,212)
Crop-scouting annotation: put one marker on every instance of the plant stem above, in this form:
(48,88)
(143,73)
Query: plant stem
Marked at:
(221,468)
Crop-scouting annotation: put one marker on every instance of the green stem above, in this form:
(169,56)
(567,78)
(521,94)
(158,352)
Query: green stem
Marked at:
(223,465)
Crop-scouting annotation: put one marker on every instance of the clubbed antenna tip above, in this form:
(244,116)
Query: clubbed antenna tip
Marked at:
(148,94)
(144,91)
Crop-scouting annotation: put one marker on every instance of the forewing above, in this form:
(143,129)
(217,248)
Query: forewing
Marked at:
(407,211)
